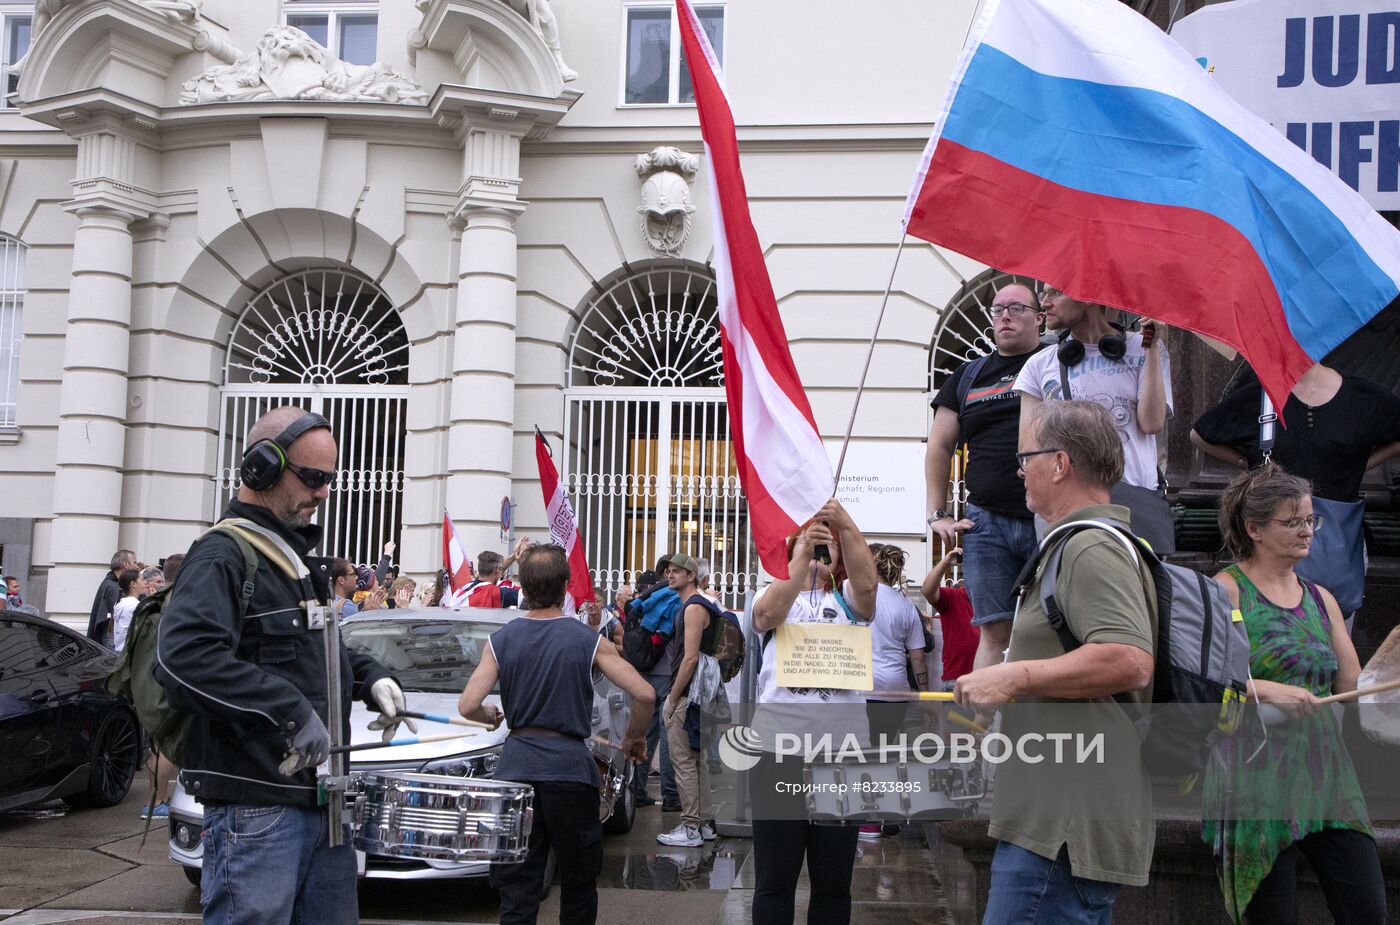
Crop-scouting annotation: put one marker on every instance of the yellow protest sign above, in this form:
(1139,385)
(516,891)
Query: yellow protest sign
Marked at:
(833,655)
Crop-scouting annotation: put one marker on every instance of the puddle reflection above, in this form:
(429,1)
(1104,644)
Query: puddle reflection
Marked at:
(40,813)
(713,867)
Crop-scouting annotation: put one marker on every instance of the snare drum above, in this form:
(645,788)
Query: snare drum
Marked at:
(889,791)
(434,816)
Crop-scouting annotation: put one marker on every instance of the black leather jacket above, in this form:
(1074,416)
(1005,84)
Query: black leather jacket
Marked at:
(249,687)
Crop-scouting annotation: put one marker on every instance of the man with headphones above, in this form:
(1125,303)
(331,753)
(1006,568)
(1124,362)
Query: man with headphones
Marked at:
(1127,373)
(244,656)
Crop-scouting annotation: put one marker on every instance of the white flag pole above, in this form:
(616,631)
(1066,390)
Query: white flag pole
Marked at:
(869,354)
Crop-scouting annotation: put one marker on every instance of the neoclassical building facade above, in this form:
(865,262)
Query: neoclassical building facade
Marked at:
(443,224)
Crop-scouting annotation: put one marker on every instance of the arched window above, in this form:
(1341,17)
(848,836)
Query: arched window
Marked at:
(647,454)
(12,253)
(330,341)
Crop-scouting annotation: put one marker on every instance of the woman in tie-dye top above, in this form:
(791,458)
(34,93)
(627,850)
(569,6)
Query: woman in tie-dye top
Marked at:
(1299,652)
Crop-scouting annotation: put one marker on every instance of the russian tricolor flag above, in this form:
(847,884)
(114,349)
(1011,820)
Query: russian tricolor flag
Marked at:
(1082,146)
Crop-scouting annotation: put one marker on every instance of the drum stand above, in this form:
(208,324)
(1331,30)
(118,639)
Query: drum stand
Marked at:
(332,787)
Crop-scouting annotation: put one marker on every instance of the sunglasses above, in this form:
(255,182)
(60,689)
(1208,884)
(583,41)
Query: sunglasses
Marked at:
(312,478)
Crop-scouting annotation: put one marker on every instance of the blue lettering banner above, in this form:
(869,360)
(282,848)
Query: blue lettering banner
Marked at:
(1326,73)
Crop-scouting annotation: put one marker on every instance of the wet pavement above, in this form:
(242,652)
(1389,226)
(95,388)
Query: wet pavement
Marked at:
(58,865)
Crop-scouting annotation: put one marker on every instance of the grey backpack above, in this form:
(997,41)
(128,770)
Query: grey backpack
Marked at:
(1202,654)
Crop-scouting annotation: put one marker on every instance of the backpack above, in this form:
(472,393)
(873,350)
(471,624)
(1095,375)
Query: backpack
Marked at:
(643,647)
(969,376)
(133,680)
(725,640)
(640,646)
(1201,654)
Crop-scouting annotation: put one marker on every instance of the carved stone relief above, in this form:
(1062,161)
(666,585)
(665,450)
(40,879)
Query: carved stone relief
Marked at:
(289,65)
(666,173)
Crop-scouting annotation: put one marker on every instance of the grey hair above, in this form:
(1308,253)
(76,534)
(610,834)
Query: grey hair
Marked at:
(1085,432)
(151,572)
(702,571)
(123,558)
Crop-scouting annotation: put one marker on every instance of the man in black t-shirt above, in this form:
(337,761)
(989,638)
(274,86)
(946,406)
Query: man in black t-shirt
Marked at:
(998,530)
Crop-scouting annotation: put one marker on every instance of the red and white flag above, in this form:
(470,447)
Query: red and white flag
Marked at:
(783,465)
(456,563)
(563,529)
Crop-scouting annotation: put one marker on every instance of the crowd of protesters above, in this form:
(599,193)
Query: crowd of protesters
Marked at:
(1061,421)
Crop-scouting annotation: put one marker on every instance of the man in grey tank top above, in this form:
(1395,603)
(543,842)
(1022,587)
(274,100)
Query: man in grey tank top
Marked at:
(544,663)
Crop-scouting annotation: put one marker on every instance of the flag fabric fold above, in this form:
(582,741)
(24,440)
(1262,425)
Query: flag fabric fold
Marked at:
(1080,145)
(563,528)
(783,466)
(456,564)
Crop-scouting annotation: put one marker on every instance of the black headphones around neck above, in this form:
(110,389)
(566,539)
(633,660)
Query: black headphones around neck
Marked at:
(265,461)
(1112,346)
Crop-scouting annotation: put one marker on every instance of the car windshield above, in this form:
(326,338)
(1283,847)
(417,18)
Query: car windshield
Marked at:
(425,655)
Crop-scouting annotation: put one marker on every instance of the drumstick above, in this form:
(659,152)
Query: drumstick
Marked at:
(967,723)
(944,696)
(415,740)
(434,718)
(1361,692)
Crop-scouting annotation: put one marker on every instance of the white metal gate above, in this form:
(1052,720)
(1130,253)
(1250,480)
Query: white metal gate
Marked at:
(647,455)
(330,342)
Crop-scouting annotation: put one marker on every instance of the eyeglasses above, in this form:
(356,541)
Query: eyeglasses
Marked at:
(1014,309)
(1022,457)
(312,478)
(1312,521)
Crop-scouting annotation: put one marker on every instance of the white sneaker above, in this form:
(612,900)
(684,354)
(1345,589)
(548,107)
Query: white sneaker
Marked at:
(707,832)
(682,836)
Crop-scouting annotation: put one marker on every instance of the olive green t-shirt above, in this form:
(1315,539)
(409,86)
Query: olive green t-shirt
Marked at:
(1102,813)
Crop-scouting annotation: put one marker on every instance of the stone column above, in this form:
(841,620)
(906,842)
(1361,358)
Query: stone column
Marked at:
(482,410)
(87,484)
(479,444)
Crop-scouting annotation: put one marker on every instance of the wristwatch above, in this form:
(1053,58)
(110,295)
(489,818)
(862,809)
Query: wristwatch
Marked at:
(938,515)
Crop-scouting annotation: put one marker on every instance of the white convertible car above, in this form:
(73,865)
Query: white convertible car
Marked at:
(432,652)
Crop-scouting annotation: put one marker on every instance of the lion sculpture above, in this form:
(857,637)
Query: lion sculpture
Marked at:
(289,65)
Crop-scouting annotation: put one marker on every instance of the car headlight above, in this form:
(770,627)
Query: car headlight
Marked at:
(185,834)
(476,764)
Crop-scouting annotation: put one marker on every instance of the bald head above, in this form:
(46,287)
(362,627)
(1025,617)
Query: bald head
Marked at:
(270,425)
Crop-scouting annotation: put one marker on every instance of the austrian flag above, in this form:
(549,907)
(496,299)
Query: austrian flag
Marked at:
(782,462)
(563,529)
(455,563)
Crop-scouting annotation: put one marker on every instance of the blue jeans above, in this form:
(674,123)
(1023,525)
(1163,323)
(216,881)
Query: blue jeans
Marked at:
(1028,889)
(994,552)
(265,864)
(669,794)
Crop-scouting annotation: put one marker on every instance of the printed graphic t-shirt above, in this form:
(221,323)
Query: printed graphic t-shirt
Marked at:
(989,427)
(1114,384)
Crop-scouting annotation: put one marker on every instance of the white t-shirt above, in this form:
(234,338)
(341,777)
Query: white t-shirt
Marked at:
(1114,384)
(121,621)
(810,607)
(896,629)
